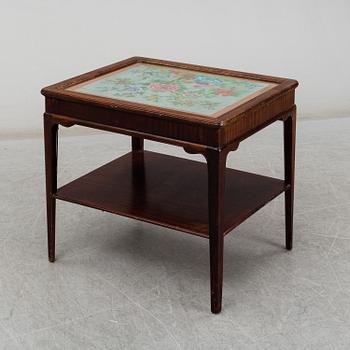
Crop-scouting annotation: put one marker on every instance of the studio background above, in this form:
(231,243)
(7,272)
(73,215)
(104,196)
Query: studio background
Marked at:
(119,283)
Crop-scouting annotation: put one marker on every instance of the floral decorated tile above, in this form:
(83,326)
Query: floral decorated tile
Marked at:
(174,88)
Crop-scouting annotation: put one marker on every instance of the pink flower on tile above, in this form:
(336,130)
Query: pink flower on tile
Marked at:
(225,92)
(164,87)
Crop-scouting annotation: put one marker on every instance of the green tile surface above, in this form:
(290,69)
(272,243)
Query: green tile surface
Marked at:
(174,88)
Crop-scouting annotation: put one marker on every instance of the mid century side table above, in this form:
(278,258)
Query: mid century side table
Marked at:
(204,110)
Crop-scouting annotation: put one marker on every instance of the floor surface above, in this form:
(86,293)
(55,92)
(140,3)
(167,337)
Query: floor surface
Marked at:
(122,284)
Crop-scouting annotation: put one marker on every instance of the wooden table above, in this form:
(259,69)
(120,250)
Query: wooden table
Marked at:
(204,110)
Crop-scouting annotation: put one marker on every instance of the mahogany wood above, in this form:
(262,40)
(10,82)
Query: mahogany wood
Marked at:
(207,201)
(289,161)
(51,149)
(234,124)
(137,143)
(216,161)
(169,191)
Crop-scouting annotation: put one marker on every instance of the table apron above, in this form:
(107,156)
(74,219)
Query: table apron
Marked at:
(132,124)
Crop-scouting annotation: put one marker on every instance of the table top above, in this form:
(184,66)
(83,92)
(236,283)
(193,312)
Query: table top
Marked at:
(174,88)
(171,89)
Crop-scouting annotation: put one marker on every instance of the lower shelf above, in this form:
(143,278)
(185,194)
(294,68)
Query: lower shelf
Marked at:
(169,191)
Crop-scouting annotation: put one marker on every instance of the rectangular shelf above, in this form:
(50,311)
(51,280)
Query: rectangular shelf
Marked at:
(169,191)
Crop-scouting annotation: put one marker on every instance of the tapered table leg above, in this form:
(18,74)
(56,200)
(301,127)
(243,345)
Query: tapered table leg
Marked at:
(50,135)
(216,186)
(138,170)
(137,143)
(289,161)
(138,173)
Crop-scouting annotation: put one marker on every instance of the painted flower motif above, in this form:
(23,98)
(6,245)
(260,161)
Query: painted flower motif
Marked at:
(225,92)
(133,88)
(194,91)
(164,87)
(204,80)
(152,97)
(190,94)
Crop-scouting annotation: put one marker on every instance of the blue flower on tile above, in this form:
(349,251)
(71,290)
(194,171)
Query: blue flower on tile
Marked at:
(202,79)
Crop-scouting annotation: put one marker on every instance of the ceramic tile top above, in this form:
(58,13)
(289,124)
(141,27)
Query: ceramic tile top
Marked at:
(174,88)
